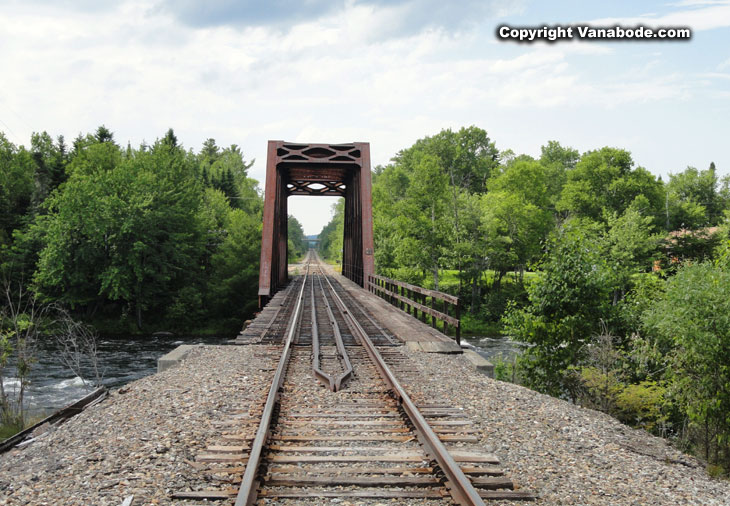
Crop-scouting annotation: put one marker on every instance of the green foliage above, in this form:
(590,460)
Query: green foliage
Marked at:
(467,157)
(507,369)
(425,216)
(131,233)
(692,245)
(565,306)
(407,275)
(233,287)
(515,215)
(693,199)
(693,315)
(555,155)
(331,236)
(716,471)
(50,165)
(476,325)
(226,170)
(602,388)
(605,182)
(298,244)
(20,323)
(8,429)
(643,405)
(630,246)
(16,187)
(424,231)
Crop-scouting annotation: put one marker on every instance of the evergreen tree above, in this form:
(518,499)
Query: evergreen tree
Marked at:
(103,134)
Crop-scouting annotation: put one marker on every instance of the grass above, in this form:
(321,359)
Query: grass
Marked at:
(716,471)
(9,430)
(449,279)
(472,325)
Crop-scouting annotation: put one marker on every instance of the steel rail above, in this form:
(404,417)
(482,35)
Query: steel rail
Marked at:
(458,485)
(248,492)
(338,340)
(316,369)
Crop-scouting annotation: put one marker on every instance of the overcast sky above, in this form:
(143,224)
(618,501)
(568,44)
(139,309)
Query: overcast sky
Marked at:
(384,72)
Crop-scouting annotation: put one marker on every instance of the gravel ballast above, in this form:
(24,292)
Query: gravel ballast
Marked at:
(143,440)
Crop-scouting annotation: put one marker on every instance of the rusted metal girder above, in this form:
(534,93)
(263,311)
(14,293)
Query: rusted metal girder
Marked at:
(316,169)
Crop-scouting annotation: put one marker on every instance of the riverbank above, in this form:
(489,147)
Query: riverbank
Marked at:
(143,440)
(121,359)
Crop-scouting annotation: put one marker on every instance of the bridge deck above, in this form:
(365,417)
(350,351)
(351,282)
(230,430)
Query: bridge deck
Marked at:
(415,334)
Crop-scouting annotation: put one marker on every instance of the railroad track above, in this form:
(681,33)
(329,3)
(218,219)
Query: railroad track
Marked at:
(359,437)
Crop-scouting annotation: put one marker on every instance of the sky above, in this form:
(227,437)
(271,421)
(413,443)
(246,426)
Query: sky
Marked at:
(387,72)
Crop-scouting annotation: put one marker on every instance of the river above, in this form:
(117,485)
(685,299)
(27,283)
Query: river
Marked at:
(125,359)
(121,360)
(492,347)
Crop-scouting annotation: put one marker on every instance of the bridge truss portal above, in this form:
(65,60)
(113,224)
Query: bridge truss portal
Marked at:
(316,169)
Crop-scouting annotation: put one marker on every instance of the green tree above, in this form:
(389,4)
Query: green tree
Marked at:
(331,236)
(693,199)
(16,187)
(389,188)
(553,154)
(605,182)
(693,315)
(209,153)
(517,216)
(227,171)
(299,245)
(565,308)
(129,232)
(630,246)
(423,221)
(91,156)
(233,286)
(558,162)
(103,134)
(458,163)
(50,165)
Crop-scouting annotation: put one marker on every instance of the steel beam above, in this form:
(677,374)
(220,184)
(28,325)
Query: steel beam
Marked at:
(338,169)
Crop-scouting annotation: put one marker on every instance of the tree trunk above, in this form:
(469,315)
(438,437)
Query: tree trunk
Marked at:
(139,316)
(457,228)
(139,307)
(474,293)
(434,259)
(498,281)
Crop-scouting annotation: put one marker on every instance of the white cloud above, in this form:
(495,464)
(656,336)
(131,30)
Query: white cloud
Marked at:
(333,79)
(696,3)
(711,15)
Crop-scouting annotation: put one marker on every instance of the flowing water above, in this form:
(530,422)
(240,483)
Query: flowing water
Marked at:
(125,359)
(492,347)
(121,360)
